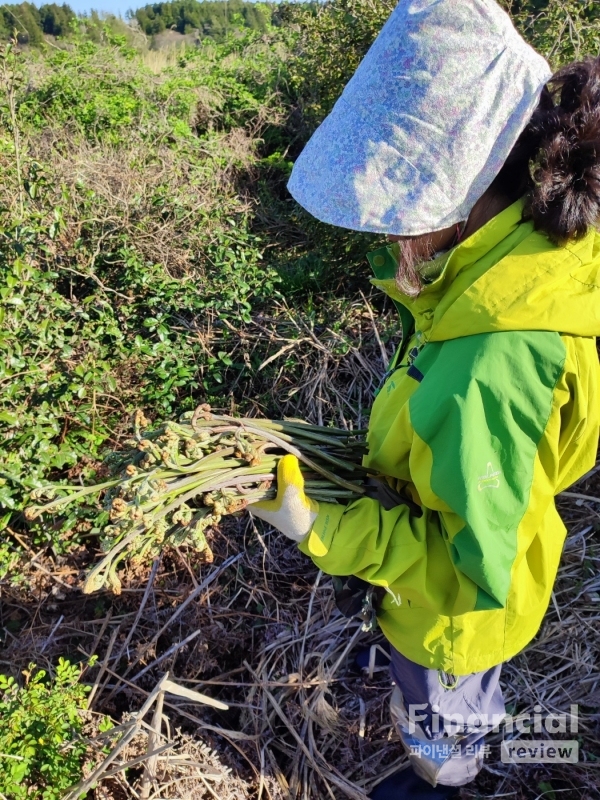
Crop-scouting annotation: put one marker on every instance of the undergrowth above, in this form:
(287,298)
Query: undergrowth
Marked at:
(136,208)
(40,736)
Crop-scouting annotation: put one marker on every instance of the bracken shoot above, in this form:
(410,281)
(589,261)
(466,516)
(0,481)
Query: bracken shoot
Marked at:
(173,482)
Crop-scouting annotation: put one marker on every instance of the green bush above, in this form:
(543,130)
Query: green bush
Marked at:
(561,30)
(41,749)
(127,229)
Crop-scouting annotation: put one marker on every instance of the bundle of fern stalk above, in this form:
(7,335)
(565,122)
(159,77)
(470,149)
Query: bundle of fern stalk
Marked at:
(170,483)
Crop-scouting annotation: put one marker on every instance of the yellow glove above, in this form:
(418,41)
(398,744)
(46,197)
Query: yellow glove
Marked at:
(292,512)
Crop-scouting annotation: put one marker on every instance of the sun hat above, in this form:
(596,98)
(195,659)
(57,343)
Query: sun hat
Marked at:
(425,123)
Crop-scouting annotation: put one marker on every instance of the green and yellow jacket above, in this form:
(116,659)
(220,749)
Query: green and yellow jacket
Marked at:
(491,412)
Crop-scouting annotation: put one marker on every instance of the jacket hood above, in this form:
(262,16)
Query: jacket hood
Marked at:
(506,276)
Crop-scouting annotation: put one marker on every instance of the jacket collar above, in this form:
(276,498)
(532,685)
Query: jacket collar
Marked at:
(456,263)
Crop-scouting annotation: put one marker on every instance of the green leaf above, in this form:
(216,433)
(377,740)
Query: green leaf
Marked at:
(547,790)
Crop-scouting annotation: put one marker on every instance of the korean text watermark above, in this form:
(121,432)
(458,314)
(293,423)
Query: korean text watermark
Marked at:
(442,736)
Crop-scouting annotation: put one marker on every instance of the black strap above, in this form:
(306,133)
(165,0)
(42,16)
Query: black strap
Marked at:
(390,498)
(415,373)
(357,598)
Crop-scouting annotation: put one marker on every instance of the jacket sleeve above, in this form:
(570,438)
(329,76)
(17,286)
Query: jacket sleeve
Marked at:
(483,428)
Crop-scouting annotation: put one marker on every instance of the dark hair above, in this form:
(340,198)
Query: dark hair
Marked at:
(555,162)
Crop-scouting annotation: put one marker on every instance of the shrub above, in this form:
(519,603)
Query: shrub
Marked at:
(41,750)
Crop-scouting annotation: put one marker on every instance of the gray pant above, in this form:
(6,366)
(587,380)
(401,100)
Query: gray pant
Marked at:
(442,719)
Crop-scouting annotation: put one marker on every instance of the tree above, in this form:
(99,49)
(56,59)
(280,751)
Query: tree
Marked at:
(23,21)
(56,20)
(212,18)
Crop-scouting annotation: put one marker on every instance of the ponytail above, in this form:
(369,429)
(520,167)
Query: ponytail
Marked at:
(556,160)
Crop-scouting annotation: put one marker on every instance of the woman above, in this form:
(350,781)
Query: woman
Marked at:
(486,176)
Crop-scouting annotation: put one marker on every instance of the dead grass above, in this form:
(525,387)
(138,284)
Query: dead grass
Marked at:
(258,630)
(324,370)
(146,193)
(165,55)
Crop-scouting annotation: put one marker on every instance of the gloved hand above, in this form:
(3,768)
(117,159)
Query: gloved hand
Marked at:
(292,512)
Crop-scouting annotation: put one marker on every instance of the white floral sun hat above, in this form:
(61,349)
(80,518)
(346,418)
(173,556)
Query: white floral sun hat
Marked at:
(425,123)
